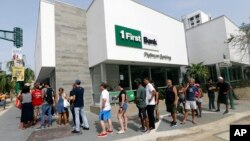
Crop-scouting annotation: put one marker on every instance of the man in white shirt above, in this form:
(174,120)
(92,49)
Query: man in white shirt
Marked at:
(105,111)
(150,101)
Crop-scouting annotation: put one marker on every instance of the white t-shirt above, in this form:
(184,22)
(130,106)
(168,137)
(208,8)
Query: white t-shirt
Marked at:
(105,95)
(149,91)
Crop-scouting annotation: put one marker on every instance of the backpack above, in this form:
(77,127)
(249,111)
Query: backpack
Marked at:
(49,96)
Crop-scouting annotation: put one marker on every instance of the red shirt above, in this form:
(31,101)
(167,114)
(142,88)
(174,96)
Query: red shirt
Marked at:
(37,99)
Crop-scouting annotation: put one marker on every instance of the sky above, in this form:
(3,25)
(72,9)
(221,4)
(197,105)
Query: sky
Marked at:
(24,14)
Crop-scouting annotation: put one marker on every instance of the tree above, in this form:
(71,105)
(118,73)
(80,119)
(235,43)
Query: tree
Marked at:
(9,65)
(198,71)
(2,81)
(29,75)
(241,40)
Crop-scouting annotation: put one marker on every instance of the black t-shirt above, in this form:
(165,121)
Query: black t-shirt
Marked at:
(79,93)
(71,94)
(224,87)
(170,95)
(210,91)
(120,96)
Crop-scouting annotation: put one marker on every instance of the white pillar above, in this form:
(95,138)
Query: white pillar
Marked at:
(218,70)
(103,73)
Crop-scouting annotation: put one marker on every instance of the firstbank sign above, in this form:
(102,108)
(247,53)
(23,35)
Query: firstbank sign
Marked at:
(135,38)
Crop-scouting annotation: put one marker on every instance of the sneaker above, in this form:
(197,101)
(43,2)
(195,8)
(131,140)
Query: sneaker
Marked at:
(40,128)
(157,120)
(85,128)
(174,124)
(75,132)
(143,130)
(101,135)
(110,131)
(217,110)
(121,132)
(225,112)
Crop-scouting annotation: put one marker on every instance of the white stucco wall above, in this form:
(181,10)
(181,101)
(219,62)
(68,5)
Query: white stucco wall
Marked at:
(206,42)
(236,53)
(45,40)
(169,32)
(97,49)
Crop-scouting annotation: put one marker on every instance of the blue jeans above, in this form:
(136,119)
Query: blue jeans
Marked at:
(211,98)
(78,111)
(46,108)
(3,103)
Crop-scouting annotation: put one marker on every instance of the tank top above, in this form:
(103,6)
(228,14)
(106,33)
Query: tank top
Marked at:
(27,98)
(120,96)
(170,95)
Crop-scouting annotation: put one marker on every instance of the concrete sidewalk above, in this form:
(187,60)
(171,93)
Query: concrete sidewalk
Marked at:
(207,124)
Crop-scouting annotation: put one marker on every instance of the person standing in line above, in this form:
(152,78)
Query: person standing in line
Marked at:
(171,101)
(122,109)
(181,95)
(211,95)
(27,107)
(72,107)
(190,100)
(78,98)
(223,94)
(141,105)
(105,111)
(48,96)
(60,97)
(199,100)
(37,101)
(150,100)
(157,100)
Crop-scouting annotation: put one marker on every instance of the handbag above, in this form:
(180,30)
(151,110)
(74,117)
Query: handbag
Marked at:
(18,104)
(66,104)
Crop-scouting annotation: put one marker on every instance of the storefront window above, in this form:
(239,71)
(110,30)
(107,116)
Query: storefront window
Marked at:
(124,75)
(138,72)
(173,74)
(159,76)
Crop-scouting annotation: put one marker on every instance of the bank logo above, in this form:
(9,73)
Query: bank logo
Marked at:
(128,37)
(134,38)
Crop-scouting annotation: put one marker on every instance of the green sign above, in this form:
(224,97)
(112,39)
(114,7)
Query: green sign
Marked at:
(128,37)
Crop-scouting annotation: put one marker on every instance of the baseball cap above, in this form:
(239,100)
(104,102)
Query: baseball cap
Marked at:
(78,81)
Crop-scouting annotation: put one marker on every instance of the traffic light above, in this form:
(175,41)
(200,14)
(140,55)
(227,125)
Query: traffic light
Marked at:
(18,37)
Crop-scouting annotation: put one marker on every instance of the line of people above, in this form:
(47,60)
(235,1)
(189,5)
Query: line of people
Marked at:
(147,102)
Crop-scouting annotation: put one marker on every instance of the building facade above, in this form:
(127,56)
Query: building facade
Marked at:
(207,43)
(195,19)
(107,43)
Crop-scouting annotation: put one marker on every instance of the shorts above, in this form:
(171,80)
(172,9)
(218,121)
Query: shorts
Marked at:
(142,113)
(124,107)
(156,107)
(223,98)
(190,105)
(37,108)
(199,100)
(171,108)
(104,115)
